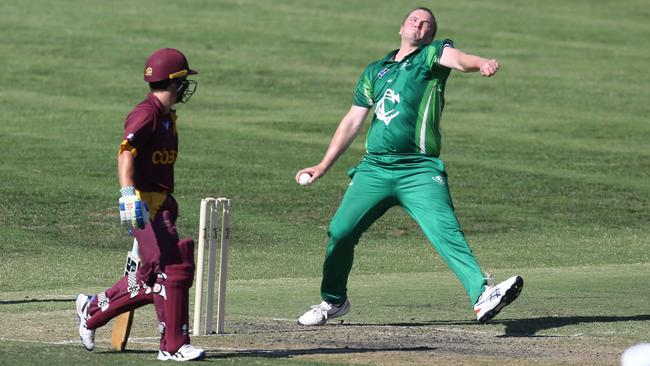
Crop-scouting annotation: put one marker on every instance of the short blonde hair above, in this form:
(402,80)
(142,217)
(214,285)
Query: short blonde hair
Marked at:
(434,26)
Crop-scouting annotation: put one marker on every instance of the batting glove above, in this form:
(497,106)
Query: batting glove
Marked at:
(133,211)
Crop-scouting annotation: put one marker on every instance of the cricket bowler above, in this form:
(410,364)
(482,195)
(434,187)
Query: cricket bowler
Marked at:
(146,158)
(402,167)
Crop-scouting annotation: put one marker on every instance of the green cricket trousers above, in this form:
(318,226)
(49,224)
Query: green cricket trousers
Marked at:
(418,183)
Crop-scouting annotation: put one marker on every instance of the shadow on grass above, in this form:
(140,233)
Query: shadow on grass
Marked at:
(284,353)
(315,351)
(126,351)
(27,301)
(529,327)
(519,327)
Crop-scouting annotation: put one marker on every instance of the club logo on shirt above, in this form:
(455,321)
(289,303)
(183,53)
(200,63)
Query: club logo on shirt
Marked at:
(384,110)
(382,73)
(163,156)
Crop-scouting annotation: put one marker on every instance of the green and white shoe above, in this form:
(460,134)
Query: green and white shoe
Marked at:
(494,298)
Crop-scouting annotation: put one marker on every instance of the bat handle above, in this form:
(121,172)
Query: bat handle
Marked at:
(134,250)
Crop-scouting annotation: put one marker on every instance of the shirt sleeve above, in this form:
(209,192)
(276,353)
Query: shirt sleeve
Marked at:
(434,51)
(137,130)
(363,90)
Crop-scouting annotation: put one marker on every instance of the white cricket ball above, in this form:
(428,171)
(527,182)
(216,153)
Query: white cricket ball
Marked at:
(304,178)
(637,355)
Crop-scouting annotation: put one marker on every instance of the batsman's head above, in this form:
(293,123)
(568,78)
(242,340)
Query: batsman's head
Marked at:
(167,68)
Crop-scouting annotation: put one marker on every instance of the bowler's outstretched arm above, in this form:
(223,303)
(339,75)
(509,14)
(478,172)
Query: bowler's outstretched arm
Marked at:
(465,62)
(347,130)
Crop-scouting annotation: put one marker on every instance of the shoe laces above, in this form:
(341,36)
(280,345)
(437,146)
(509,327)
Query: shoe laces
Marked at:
(489,279)
(84,311)
(489,286)
(322,307)
(186,347)
(84,308)
(91,334)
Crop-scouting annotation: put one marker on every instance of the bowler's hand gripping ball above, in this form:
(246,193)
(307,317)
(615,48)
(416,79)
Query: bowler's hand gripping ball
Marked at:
(303,179)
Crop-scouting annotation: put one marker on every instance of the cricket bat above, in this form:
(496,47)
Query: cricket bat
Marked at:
(122,323)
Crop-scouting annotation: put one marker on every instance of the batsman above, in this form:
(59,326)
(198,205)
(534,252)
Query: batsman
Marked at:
(146,158)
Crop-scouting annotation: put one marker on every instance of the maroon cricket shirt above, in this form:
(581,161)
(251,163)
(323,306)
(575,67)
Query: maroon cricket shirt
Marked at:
(150,134)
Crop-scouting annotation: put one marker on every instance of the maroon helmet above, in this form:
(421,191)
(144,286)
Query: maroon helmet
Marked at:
(166,64)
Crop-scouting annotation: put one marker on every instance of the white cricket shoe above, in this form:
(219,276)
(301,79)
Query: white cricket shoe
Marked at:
(496,297)
(86,335)
(187,352)
(319,314)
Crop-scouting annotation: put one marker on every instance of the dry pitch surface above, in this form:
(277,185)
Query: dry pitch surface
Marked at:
(441,343)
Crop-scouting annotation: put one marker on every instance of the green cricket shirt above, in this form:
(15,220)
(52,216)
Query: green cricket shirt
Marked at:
(408,97)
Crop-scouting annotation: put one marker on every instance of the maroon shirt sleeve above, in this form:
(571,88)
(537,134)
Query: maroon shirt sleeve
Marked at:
(139,127)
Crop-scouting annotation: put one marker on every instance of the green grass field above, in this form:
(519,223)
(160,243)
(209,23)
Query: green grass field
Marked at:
(548,163)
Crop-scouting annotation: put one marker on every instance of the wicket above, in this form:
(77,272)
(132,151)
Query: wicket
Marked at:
(210,211)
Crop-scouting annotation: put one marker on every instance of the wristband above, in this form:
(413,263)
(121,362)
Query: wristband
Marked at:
(127,191)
